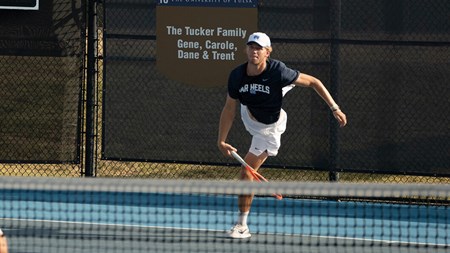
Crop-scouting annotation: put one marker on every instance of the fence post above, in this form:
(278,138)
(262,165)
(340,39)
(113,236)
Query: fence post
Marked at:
(90,88)
(335,29)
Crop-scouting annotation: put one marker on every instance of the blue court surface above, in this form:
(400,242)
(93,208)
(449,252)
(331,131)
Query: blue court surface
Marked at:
(72,221)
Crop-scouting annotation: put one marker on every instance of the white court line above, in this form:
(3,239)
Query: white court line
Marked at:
(212,230)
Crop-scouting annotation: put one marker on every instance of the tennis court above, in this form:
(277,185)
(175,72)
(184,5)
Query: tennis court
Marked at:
(180,216)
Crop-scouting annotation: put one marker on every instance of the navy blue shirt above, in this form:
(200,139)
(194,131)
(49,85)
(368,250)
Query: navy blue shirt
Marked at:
(262,94)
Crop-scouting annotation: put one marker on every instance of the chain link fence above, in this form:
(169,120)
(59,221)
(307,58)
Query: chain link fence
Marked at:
(386,62)
(41,68)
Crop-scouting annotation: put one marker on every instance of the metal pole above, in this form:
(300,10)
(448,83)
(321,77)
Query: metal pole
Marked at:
(335,29)
(90,87)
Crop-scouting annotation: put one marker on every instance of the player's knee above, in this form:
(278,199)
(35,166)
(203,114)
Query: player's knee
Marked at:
(245,175)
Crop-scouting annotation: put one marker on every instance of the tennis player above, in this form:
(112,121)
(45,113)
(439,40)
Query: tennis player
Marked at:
(259,86)
(3,243)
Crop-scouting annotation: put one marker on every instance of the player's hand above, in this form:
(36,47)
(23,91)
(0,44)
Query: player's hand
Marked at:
(340,117)
(226,148)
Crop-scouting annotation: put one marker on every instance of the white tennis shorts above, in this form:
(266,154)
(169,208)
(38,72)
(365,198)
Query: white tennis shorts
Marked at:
(265,137)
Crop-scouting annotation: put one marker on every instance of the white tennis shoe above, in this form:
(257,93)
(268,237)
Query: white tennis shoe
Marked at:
(239,231)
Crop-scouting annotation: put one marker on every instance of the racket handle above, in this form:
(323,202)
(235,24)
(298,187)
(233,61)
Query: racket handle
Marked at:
(239,158)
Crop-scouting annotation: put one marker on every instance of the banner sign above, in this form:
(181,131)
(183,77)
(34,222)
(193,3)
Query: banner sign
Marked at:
(200,41)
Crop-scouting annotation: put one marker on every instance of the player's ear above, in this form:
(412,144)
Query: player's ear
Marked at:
(268,51)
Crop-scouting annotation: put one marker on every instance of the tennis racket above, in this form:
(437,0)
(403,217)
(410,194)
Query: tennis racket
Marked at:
(258,177)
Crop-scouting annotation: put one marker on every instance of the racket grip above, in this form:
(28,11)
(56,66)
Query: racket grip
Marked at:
(238,158)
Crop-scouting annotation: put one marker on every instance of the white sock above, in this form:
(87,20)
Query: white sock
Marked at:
(242,219)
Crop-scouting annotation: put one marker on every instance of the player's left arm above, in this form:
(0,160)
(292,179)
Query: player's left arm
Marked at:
(305,80)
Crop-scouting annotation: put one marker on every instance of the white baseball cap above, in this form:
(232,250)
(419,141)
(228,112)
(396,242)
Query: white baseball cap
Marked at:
(259,38)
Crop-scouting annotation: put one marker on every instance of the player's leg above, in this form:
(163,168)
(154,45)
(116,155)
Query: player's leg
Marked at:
(3,243)
(245,201)
(240,229)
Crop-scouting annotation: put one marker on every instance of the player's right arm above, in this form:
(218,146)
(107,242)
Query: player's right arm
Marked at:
(226,122)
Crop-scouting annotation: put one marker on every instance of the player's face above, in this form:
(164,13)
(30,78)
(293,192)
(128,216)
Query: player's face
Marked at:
(257,54)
